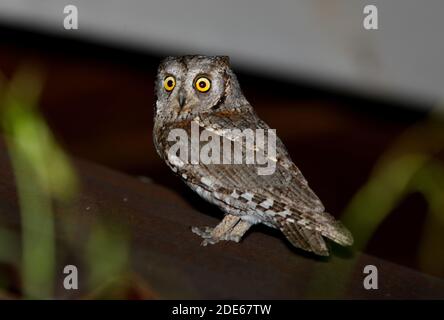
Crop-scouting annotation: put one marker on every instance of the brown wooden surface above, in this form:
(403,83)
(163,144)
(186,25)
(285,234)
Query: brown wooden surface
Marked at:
(168,262)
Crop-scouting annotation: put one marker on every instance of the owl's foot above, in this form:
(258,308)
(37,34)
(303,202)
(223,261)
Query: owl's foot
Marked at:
(206,234)
(231,228)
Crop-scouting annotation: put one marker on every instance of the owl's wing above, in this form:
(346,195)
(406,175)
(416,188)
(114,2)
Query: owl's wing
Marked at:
(282,199)
(286,183)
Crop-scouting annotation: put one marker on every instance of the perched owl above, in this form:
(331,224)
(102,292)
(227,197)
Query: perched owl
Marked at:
(203,91)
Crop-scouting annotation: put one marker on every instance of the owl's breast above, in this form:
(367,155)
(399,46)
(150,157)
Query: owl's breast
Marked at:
(165,134)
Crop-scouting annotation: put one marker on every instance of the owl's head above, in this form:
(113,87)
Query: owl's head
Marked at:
(189,85)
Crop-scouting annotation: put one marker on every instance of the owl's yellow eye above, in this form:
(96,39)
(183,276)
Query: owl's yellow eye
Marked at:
(169,83)
(203,84)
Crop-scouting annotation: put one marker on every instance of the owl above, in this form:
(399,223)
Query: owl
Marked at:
(203,91)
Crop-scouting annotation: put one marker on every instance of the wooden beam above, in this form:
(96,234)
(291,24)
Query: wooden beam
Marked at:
(167,261)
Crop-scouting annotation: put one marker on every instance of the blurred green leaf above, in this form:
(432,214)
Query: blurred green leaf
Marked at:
(42,173)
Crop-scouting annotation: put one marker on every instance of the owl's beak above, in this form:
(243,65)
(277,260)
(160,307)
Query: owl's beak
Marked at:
(182,98)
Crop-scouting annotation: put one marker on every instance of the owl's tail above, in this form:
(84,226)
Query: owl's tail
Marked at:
(309,235)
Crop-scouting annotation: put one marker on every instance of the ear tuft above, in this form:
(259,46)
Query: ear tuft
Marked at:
(224,59)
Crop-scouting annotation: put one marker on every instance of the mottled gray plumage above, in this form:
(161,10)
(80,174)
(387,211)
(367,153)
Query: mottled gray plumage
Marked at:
(282,200)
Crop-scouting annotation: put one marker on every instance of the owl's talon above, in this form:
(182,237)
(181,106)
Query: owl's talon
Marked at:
(205,232)
(209,241)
